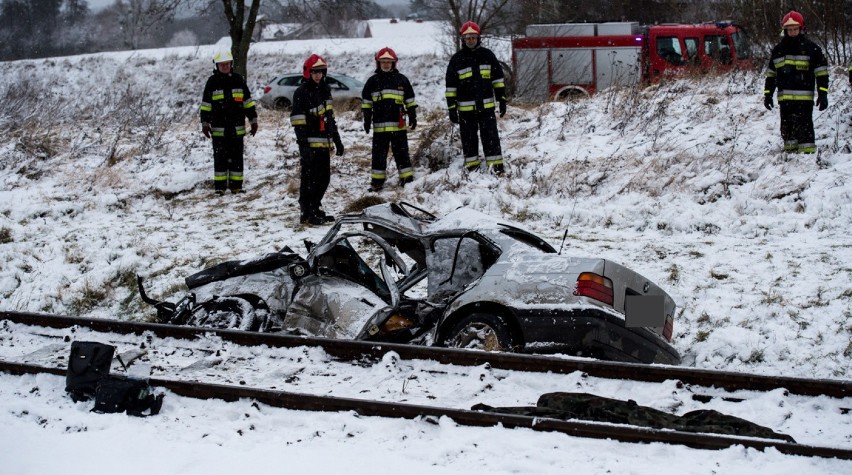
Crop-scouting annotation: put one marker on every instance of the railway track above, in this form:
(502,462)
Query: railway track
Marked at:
(364,354)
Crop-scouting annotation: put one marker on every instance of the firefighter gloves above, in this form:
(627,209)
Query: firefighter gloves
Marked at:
(205,129)
(338,145)
(454,116)
(767,102)
(822,101)
(412,119)
(368,118)
(253,128)
(502,108)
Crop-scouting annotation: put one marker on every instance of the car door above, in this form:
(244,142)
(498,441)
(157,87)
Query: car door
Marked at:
(349,283)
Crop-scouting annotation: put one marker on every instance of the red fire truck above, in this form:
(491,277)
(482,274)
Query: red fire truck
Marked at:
(559,61)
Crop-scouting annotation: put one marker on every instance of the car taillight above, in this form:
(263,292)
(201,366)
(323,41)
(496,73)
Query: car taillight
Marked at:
(594,286)
(668,329)
(266,89)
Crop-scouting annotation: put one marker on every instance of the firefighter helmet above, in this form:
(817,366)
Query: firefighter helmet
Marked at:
(222,56)
(386,54)
(469,28)
(793,18)
(314,61)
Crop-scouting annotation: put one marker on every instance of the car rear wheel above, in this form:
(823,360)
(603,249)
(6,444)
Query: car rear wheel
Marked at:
(282,103)
(481,331)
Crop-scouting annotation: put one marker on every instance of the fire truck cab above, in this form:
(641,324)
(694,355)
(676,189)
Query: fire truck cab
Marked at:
(559,61)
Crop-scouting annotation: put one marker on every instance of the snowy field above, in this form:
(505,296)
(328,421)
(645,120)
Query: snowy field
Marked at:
(105,175)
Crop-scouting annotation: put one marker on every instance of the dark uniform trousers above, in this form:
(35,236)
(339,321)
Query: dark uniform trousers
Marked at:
(397,142)
(228,163)
(476,125)
(315,163)
(797,125)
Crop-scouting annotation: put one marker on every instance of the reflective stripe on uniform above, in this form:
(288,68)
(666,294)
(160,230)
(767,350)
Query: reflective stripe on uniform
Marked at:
(217,131)
(391,94)
(387,127)
(807,147)
(248,105)
(467,106)
(366,104)
(206,107)
(485,71)
(298,119)
(406,172)
(241,130)
(465,73)
(237,94)
(792,95)
(319,142)
(494,160)
(218,95)
(450,92)
(821,71)
(220,176)
(471,162)
(378,174)
(801,63)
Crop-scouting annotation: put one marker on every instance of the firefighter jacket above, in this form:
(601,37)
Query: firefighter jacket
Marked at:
(226,104)
(795,64)
(474,78)
(312,115)
(386,98)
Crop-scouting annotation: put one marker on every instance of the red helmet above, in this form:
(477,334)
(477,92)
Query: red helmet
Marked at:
(314,61)
(386,54)
(793,19)
(469,28)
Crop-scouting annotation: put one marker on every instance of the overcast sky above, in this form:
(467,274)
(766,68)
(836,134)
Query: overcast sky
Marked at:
(98,4)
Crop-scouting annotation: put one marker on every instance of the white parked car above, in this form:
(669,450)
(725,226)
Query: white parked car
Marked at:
(279,93)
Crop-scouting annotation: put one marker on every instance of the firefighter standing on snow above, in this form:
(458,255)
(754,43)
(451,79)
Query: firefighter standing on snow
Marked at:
(225,105)
(385,100)
(794,65)
(474,79)
(312,118)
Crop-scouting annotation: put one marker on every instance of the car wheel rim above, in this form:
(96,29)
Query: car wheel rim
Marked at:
(478,336)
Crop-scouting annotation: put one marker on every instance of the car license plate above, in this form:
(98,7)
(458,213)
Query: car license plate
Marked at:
(644,311)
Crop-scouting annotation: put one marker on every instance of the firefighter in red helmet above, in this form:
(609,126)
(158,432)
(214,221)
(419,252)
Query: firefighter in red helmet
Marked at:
(312,118)
(225,105)
(474,89)
(386,100)
(795,65)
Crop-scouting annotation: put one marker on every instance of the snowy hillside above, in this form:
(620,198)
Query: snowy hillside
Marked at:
(106,175)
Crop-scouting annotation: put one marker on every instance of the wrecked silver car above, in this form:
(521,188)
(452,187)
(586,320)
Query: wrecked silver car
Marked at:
(397,273)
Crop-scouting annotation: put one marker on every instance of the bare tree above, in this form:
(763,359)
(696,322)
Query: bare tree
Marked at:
(241,22)
(140,19)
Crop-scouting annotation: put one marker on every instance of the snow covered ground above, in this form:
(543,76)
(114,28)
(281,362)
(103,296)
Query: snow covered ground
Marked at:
(105,175)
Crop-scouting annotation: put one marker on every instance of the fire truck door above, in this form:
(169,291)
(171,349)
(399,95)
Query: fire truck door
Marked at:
(571,67)
(617,67)
(531,74)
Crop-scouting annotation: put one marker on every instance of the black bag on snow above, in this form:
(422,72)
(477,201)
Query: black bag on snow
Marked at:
(119,394)
(88,363)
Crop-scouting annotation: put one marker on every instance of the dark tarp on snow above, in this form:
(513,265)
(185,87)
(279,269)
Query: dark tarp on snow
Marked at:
(588,407)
